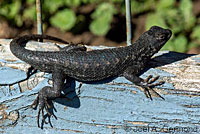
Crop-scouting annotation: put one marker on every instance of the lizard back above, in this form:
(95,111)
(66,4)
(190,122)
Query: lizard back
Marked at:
(97,64)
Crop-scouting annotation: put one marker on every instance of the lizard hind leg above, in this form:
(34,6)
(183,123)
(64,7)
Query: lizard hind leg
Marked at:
(47,94)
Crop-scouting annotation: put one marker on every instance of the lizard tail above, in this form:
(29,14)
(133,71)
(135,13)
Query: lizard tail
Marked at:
(17,45)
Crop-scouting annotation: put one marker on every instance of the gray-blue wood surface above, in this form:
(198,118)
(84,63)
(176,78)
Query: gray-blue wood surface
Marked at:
(112,107)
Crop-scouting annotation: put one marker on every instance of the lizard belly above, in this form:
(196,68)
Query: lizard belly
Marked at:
(95,74)
(92,72)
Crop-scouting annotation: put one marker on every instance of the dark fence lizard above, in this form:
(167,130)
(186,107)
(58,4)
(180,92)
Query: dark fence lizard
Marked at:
(77,63)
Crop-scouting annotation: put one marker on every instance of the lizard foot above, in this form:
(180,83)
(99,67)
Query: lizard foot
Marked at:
(43,103)
(147,84)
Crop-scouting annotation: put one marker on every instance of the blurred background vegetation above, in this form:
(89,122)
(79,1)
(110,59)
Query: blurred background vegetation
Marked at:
(102,22)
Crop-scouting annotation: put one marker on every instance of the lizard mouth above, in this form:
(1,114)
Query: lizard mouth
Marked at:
(167,36)
(169,32)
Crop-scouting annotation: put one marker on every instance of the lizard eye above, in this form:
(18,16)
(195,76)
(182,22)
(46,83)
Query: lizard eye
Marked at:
(160,36)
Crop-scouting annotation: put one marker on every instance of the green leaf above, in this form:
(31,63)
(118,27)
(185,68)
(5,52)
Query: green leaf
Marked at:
(139,6)
(102,18)
(73,2)
(168,46)
(10,10)
(180,43)
(90,1)
(196,33)
(30,13)
(14,8)
(117,1)
(99,27)
(52,5)
(104,9)
(31,1)
(192,45)
(155,19)
(165,4)
(174,20)
(64,19)
(18,19)
(186,10)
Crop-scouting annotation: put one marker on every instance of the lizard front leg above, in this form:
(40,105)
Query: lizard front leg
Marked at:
(146,84)
(48,93)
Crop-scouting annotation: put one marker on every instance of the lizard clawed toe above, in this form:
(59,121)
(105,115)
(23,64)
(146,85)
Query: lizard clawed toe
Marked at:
(150,79)
(147,84)
(43,103)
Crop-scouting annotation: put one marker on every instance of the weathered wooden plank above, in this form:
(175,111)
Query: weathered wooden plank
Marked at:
(114,107)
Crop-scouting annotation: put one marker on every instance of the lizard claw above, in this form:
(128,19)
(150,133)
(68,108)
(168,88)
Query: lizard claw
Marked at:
(43,106)
(43,103)
(147,84)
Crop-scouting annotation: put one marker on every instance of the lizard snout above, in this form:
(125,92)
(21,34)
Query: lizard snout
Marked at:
(169,33)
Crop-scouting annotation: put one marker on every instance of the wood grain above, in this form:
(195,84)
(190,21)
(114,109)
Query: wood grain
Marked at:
(111,108)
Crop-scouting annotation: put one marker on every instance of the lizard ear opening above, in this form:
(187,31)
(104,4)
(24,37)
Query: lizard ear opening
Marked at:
(150,32)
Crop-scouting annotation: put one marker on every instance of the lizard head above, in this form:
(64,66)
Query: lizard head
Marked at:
(158,37)
(152,41)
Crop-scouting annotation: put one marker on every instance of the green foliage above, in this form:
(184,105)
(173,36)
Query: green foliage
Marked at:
(179,19)
(139,6)
(30,13)
(102,18)
(59,19)
(52,5)
(10,10)
(196,33)
(180,43)
(73,2)
(66,15)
